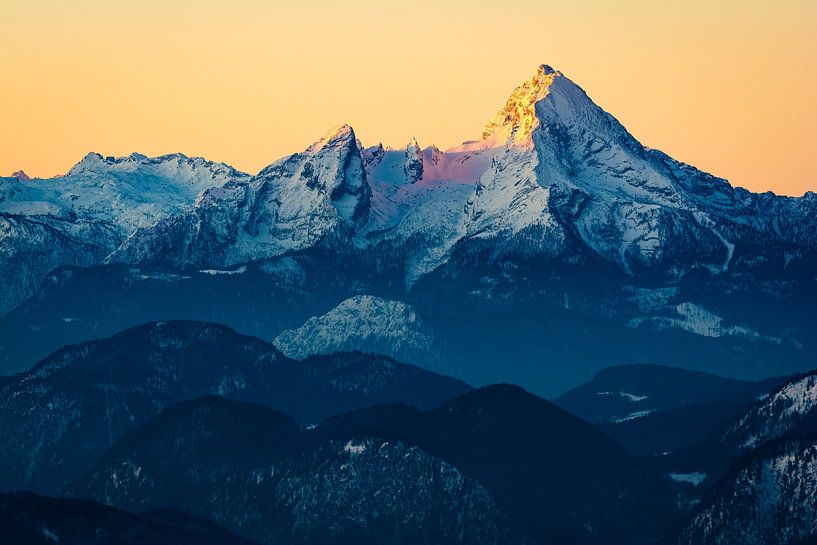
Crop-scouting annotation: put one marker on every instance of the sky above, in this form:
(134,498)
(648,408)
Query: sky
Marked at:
(728,86)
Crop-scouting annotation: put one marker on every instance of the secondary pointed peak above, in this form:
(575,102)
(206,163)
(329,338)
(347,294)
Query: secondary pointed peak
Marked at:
(90,161)
(413,166)
(340,135)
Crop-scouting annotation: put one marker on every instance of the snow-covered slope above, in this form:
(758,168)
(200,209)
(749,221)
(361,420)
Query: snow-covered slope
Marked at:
(32,246)
(695,319)
(292,205)
(791,407)
(363,323)
(418,201)
(128,192)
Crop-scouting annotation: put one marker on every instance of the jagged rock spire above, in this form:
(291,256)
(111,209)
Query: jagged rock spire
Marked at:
(413,166)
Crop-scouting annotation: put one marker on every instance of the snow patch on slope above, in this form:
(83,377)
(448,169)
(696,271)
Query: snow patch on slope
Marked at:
(631,397)
(698,320)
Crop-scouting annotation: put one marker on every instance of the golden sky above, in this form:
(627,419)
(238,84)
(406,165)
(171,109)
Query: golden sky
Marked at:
(728,86)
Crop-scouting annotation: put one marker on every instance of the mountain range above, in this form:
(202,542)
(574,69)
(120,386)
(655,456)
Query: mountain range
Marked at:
(556,224)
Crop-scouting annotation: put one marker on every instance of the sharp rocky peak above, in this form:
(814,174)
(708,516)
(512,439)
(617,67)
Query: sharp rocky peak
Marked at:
(413,166)
(340,136)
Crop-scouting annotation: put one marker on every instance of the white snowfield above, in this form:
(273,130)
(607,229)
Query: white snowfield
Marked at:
(80,218)
(699,321)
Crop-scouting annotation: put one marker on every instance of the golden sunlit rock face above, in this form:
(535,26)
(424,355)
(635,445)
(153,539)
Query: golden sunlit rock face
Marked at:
(517,119)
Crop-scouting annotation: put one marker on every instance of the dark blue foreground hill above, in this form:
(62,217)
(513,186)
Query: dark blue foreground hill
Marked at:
(254,471)
(497,465)
(59,417)
(656,409)
(29,519)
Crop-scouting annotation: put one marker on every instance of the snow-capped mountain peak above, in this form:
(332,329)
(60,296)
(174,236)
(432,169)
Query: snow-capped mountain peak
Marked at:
(91,161)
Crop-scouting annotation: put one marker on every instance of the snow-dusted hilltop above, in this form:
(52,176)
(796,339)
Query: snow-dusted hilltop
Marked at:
(769,498)
(363,323)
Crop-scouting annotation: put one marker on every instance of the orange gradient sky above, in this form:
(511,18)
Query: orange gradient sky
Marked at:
(728,86)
